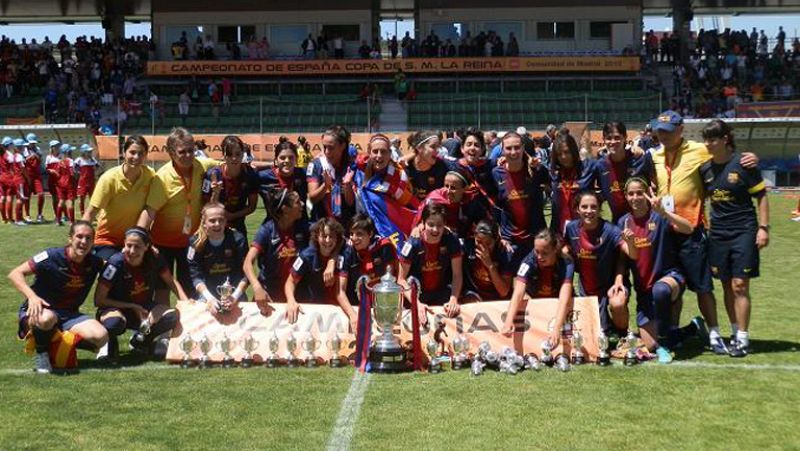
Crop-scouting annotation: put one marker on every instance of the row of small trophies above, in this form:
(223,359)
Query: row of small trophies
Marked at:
(249,344)
(510,362)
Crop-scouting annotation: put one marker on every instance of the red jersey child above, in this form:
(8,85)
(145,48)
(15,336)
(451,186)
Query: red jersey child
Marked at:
(33,168)
(86,166)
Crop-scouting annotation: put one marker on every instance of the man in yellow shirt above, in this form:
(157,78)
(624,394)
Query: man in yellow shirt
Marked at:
(175,201)
(680,189)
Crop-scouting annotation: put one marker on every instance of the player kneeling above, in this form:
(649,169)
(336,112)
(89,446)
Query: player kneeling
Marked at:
(64,276)
(125,295)
(657,282)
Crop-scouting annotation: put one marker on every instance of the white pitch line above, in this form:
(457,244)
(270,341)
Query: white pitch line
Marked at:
(348,414)
(743,366)
(29,371)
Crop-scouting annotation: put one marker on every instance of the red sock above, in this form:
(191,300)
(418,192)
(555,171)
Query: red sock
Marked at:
(71,214)
(3,210)
(8,208)
(18,210)
(40,204)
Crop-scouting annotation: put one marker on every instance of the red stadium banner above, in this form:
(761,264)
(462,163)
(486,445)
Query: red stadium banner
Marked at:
(478,322)
(304,68)
(780,110)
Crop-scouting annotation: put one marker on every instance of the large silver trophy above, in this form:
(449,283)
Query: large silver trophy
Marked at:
(386,355)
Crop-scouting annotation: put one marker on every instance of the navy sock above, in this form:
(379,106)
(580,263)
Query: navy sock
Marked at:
(42,338)
(115,327)
(166,323)
(662,300)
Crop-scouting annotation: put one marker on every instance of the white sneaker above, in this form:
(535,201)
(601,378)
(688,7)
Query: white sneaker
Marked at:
(42,363)
(102,353)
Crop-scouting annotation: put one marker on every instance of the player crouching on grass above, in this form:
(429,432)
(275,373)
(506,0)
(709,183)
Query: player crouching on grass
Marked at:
(656,279)
(125,295)
(64,277)
(736,236)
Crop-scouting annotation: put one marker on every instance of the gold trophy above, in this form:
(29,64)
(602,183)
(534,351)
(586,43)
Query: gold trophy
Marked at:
(205,347)
(291,346)
(225,345)
(310,344)
(249,344)
(186,345)
(272,359)
(335,345)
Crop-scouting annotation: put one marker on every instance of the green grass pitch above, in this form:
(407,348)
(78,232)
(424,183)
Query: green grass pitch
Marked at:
(702,401)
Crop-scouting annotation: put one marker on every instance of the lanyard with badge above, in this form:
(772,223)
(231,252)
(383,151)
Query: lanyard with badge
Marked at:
(187,192)
(668,202)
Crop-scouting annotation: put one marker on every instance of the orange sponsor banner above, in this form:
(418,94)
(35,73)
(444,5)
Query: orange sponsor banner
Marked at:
(24,120)
(385,67)
(477,322)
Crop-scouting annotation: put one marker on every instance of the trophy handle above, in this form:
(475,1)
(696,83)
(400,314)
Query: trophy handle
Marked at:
(413,282)
(363,280)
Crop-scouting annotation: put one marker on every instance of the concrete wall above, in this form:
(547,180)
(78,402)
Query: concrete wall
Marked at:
(263,21)
(481,19)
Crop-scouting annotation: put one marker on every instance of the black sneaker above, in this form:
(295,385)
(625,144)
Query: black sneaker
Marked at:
(138,345)
(737,349)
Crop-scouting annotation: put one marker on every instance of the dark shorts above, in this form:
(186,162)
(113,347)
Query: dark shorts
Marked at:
(734,257)
(105,251)
(67,319)
(434,298)
(646,310)
(179,267)
(693,258)
(132,320)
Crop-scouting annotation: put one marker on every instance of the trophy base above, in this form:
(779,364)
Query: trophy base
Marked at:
(292,363)
(187,363)
(460,364)
(228,363)
(311,362)
(335,363)
(204,363)
(604,361)
(271,362)
(578,360)
(391,360)
(630,361)
(246,363)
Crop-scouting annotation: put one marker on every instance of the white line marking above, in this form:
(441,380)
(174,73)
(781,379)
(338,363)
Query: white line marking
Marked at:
(743,366)
(29,371)
(348,415)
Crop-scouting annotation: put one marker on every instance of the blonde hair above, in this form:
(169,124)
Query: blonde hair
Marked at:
(201,237)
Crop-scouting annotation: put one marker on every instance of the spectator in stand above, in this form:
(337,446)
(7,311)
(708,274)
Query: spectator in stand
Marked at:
(183,105)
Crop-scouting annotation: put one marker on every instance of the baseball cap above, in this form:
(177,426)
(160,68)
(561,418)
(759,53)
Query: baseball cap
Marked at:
(32,138)
(667,121)
(65,148)
(522,131)
(54,143)
(7,141)
(19,142)
(86,148)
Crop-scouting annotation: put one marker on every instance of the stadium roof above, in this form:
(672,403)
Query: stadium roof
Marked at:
(91,10)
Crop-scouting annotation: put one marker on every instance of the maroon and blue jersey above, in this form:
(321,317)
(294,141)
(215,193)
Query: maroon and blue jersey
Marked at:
(519,200)
(134,284)
(370,262)
(423,182)
(212,265)
(655,241)
(730,189)
(235,191)
(278,251)
(481,174)
(307,271)
(271,178)
(432,264)
(61,282)
(595,254)
(332,204)
(613,176)
(544,281)
(477,276)
(460,217)
(566,183)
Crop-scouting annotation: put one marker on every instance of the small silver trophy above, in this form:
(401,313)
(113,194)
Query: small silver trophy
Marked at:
(225,291)
(291,346)
(434,366)
(562,363)
(476,369)
(335,345)
(272,359)
(225,345)
(576,341)
(460,356)
(633,344)
(310,344)
(249,344)
(603,358)
(532,362)
(547,353)
(205,347)
(186,345)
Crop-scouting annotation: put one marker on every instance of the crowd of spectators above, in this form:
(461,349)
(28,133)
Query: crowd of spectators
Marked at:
(74,79)
(727,68)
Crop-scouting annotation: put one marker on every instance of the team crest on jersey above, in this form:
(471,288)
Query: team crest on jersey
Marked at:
(40,257)
(733,177)
(651,226)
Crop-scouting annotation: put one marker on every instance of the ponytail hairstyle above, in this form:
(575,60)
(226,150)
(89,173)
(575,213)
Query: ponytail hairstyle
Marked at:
(277,199)
(563,138)
(333,226)
(577,200)
(144,235)
(231,143)
(340,133)
(420,137)
(378,137)
(201,238)
(285,145)
(718,129)
(548,236)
